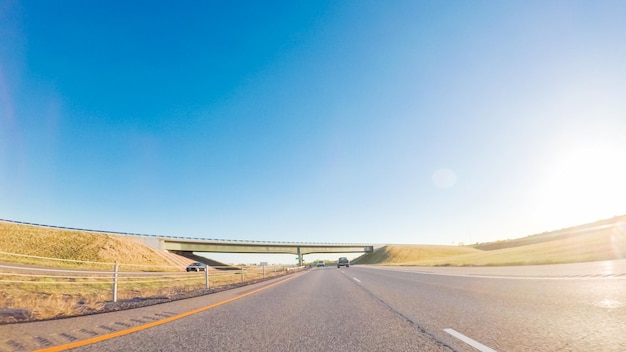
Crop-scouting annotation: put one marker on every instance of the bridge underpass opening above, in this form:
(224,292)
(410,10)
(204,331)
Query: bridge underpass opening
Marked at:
(238,259)
(187,247)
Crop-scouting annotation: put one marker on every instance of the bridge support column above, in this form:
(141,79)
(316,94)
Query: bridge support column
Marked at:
(299,257)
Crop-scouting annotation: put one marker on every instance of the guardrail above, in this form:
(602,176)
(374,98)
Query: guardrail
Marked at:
(181,237)
(54,292)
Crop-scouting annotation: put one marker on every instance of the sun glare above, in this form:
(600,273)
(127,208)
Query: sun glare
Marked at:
(585,184)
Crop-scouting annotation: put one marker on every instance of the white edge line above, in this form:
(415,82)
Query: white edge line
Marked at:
(621,277)
(479,346)
(357,280)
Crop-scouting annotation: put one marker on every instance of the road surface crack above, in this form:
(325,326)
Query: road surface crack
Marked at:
(413,323)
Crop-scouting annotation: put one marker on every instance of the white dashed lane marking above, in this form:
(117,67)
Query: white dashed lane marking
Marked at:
(477,345)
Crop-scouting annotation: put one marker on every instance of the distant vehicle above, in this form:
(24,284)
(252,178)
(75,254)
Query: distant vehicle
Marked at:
(320,263)
(196,267)
(343,261)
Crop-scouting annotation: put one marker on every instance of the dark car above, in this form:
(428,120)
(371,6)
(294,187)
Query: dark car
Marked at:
(343,261)
(196,267)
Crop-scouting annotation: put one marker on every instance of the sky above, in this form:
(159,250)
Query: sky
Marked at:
(410,122)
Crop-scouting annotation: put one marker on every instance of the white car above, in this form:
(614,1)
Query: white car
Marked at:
(320,263)
(196,267)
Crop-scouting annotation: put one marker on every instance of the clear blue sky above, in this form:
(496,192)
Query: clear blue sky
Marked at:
(430,122)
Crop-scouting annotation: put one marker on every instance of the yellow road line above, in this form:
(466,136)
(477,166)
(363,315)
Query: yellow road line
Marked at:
(153,324)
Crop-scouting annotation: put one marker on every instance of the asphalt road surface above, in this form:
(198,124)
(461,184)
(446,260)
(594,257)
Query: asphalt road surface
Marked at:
(402,309)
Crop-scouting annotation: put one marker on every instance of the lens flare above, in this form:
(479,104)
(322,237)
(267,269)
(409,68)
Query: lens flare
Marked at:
(444,178)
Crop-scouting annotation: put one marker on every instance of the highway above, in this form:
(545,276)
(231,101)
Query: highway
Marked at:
(384,309)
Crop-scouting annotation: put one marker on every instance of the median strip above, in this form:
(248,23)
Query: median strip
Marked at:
(155,323)
(477,345)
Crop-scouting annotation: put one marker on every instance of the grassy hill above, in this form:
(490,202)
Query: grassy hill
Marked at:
(603,240)
(72,245)
(561,234)
(32,295)
(413,254)
(591,242)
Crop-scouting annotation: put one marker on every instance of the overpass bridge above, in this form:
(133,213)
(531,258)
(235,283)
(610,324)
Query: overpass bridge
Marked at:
(186,246)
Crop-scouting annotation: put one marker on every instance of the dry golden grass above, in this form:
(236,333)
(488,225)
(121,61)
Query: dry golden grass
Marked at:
(51,295)
(602,244)
(414,254)
(72,245)
(56,300)
(45,300)
(44,305)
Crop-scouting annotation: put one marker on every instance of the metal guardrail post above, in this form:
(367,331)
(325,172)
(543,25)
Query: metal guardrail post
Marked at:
(115,275)
(242,274)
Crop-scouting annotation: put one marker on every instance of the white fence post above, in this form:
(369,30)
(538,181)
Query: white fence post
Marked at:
(115,270)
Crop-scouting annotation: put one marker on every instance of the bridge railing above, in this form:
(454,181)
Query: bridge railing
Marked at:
(181,237)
